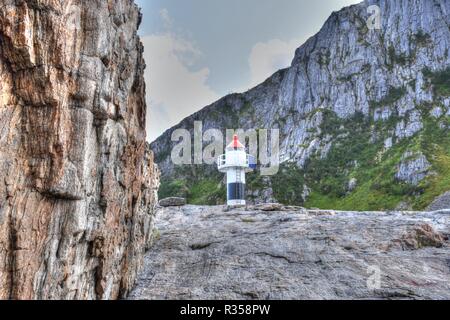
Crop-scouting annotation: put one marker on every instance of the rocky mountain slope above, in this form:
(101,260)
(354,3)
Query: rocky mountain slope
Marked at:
(212,253)
(363,113)
(77,180)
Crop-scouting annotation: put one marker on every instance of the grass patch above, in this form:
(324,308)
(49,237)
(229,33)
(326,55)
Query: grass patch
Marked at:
(324,58)
(200,185)
(434,142)
(398,58)
(377,188)
(209,192)
(421,39)
(288,184)
(393,96)
(440,81)
(376,168)
(173,188)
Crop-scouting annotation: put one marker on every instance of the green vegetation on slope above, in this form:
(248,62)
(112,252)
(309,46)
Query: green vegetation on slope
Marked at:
(173,188)
(434,142)
(357,154)
(199,192)
(288,184)
(421,39)
(440,81)
(393,96)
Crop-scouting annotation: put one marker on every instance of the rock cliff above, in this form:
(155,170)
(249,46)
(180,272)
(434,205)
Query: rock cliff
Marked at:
(213,253)
(363,114)
(77,179)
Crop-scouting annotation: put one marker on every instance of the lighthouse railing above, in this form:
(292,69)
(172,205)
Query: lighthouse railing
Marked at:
(221,161)
(250,162)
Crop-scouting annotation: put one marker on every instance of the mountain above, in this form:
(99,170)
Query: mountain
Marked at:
(363,115)
(77,180)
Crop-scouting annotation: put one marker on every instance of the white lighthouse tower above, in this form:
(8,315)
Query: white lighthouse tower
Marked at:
(236,163)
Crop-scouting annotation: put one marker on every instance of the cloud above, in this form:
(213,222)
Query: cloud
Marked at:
(166,19)
(174,91)
(268,57)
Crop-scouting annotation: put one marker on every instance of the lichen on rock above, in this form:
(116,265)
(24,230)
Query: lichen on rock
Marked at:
(413,168)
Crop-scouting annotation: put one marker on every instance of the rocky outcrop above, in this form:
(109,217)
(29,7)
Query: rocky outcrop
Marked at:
(413,168)
(269,207)
(440,203)
(77,179)
(172,202)
(211,253)
(351,104)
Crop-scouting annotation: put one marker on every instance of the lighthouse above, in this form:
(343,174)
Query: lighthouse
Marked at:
(236,163)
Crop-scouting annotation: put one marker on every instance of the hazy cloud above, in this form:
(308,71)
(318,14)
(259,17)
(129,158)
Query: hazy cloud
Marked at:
(268,57)
(173,90)
(166,19)
(235,53)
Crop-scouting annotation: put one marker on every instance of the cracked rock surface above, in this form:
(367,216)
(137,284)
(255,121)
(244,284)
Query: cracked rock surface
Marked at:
(212,253)
(77,179)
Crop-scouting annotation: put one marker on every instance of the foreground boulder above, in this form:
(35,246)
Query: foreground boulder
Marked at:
(172,202)
(77,180)
(209,253)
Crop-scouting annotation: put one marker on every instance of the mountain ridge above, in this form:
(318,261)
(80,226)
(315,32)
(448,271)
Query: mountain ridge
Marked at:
(342,81)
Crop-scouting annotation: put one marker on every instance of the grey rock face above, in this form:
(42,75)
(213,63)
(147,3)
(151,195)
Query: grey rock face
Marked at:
(206,253)
(352,184)
(408,128)
(172,202)
(413,169)
(436,112)
(77,180)
(440,203)
(388,143)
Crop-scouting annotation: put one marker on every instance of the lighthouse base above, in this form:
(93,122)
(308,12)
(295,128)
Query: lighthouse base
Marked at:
(236,203)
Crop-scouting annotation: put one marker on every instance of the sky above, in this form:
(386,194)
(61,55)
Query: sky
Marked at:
(198,51)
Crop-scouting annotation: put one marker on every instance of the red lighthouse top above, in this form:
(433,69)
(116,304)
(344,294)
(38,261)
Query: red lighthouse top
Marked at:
(235,145)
